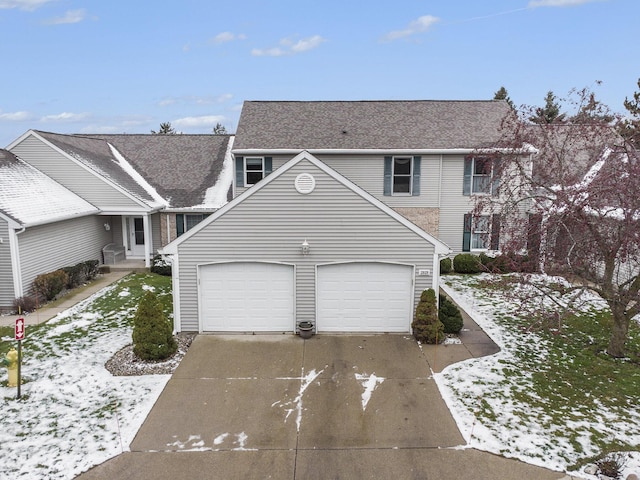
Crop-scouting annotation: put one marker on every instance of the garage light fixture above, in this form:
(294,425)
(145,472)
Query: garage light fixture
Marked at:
(305,247)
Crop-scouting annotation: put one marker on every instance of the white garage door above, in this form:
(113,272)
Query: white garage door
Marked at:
(246,297)
(364,297)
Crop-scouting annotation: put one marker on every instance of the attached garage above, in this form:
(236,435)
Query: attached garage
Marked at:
(246,297)
(364,297)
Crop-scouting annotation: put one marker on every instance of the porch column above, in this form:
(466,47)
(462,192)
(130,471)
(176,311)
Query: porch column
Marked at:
(148,240)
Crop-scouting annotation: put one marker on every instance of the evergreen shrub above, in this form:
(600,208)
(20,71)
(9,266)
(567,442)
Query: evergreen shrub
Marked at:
(160,266)
(449,315)
(426,326)
(445,265)
(152,330)
(50,284)
(467,263)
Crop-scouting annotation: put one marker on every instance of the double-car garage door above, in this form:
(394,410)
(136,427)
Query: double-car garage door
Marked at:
(350,297)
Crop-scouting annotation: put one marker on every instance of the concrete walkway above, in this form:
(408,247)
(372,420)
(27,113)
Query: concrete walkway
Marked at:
(50,310)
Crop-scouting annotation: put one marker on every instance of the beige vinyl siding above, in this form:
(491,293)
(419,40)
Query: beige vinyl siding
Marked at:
(46,248)
(155,233)
(453,204)
(6,273)
(367,171)
(271,225)
(73,176)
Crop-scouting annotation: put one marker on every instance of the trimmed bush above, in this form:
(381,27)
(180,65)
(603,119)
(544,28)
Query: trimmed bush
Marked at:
(24,304)
(92,268)
(50,284)
(426,326)
(467,263)
(160,266)
(445,265)
(449,315)
(152,330)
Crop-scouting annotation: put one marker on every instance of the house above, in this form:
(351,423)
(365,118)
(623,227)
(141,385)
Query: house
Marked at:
(134,192)
(341,213)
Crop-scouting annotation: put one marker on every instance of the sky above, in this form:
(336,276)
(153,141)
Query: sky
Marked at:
(95,66)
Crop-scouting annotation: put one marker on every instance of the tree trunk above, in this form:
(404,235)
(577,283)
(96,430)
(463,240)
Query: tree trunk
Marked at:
(619,331)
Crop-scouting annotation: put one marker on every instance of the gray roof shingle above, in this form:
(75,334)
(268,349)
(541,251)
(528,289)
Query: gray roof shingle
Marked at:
(179,167)
(411,124)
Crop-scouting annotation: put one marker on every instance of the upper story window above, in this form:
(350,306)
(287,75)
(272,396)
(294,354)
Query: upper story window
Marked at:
(253,170)
(402,175)
(250,170)
(480,176)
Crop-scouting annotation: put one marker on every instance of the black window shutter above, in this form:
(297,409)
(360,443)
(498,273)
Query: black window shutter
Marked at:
(179,224)
(466,183)
(495,231)
(417,160)
(268,165)
(466,235)
(239,171)
(387,176)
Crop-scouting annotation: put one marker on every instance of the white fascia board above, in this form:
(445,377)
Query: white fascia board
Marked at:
(11,222)
(61,219)
(128,211)
(113,185)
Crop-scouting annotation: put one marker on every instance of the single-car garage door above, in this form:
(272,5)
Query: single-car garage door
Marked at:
(364,297)
(246,297)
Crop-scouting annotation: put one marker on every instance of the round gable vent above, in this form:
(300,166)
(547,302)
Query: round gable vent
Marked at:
(305,183)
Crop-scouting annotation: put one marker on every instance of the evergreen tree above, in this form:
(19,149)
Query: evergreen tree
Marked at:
(550,113)
(592,111)
(426,326)
(152,330)
(165,129)
(502,94)
(219,129)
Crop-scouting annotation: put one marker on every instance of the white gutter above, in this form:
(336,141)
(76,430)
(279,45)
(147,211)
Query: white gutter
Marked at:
(14,252)
(379,151)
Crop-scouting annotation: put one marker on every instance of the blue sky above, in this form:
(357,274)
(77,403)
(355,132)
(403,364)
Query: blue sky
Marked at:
(83,66)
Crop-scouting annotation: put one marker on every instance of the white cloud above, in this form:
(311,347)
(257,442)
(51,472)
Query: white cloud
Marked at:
(16,116)
(29,5)
(422,24)
(64,117)
(558,3)
(198,122)
(289,47)
(71,16)
(225,37)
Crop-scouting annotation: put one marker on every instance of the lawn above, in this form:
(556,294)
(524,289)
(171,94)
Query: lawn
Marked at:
(73,414)
(551,397)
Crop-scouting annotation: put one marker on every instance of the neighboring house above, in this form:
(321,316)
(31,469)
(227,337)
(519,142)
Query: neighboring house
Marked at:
(43,226)
(144,191)
(377,191)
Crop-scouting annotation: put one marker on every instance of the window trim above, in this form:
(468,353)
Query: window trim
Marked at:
(476,233)
(182,222)
(486,176)
(470,176)
(246,171)
(403,175)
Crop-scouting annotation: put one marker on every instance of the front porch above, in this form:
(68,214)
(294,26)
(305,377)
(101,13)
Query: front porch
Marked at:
(127,265)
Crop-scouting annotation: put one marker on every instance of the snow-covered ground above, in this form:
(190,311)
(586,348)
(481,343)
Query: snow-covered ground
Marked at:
(73,413)
(516,429)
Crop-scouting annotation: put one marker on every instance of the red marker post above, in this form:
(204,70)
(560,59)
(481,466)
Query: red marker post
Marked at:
(20,330)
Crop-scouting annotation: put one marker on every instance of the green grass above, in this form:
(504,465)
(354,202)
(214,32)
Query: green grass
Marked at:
(560,380)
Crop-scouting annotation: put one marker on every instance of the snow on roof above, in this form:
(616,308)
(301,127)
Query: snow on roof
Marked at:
(216,195)
(31,198)
(158,201)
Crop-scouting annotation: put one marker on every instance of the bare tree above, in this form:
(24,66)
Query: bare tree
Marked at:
(568,196)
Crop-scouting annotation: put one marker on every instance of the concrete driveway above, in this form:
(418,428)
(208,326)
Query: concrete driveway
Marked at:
(332,407)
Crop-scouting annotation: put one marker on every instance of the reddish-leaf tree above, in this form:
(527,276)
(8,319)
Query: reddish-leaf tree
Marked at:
(568,196)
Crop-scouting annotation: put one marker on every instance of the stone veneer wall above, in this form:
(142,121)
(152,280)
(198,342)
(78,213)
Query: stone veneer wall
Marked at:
(427,218)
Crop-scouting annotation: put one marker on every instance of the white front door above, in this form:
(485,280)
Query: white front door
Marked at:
(135,231)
